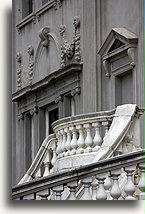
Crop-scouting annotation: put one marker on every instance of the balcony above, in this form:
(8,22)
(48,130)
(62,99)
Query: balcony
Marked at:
(95,156)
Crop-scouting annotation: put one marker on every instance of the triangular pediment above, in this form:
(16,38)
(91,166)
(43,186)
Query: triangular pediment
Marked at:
(118,39)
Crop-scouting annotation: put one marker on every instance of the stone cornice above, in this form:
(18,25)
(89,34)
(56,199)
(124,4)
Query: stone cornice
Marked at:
(49,80)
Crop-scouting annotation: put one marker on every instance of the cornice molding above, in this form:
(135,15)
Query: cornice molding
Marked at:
(47,81)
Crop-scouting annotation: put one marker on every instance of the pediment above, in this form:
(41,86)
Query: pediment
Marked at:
(119,39)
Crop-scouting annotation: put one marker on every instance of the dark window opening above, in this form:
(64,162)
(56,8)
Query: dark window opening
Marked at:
(27,7)
(53,116)
(28,143)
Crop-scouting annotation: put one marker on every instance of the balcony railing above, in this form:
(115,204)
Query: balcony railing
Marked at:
(117,178)
(86,144)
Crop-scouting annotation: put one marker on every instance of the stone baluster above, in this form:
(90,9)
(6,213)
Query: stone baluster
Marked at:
(87,184)
(58,192)
(58,149)
(45,195)
(68,142)
(101,193)
(106,126)
(141,184)
(38,174)
(108,185)
(88,140)
(74,145)
(72,186)
(54,157)
(130,187)
(94,189)
(81,141)
(115,191)
(63,143)
(97,139)
(46,165)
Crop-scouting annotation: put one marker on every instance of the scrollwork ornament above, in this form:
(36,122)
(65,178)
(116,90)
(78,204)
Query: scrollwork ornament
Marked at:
(43,34)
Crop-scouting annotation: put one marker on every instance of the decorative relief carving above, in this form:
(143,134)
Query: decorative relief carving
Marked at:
(25,76)
(43,34)
(107,68)
(20,117)
(131,54)
(76,91)
(59,99)
(34,110)
(57,3)
(70,49)
(19,71)
(31,63)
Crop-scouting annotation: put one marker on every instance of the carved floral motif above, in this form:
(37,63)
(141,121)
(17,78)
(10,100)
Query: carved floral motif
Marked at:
(70,49)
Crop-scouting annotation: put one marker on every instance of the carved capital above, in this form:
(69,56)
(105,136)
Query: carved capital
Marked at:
(20,117)
(34,111)
(43,34)
(76,91)
(59,99)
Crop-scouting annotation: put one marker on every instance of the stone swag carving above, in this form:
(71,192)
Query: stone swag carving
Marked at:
(19,71)
(70,49)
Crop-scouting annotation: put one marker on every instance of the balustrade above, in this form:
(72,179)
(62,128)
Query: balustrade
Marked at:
(81,134)
(101,181)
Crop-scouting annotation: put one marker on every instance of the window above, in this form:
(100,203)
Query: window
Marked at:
(124,89)
(69,106)
(44,2)
(27,7)
(51,116)
(29,140)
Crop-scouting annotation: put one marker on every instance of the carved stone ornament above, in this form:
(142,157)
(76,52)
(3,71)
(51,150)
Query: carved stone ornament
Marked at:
(76,91)
(19,71)
(59,99)
(20,117)
(57,3)
(70,50)
(31,63)
(34,111)
(43,34)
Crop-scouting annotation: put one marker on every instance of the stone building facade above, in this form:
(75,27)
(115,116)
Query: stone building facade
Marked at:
(71,57)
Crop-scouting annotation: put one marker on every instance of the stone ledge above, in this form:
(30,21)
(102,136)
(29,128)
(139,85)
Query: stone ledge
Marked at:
(49,80)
